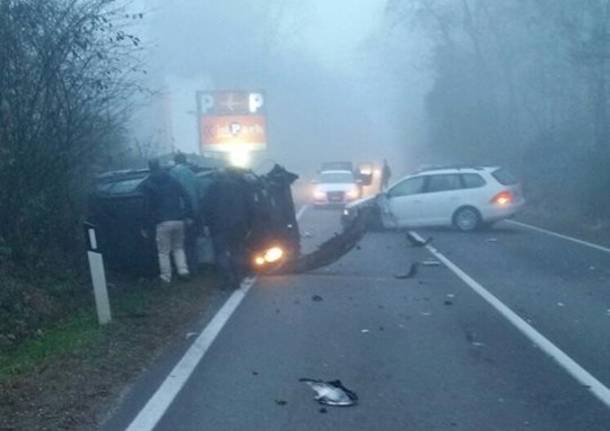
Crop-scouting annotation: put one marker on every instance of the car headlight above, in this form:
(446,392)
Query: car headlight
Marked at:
(353,193)
(319,194)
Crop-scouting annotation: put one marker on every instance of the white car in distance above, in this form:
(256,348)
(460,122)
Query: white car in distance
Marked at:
(466,198)
(335,187)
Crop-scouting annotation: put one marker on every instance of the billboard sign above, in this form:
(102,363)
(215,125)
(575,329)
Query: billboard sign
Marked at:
(231,121)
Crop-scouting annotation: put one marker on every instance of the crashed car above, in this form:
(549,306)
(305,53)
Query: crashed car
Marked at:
(117,209)
(466,198)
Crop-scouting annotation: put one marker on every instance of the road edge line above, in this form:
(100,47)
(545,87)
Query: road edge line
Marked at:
(148,417)
(599,390)
(561,236)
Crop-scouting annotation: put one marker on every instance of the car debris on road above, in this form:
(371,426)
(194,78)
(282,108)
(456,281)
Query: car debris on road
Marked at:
(431,262)
(416,242)
(331,393)
(409,274)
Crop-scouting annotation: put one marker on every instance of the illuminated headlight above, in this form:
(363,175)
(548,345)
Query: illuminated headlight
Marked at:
(353,193)
(273,254)
(259,261)
(346,212)
(319,194)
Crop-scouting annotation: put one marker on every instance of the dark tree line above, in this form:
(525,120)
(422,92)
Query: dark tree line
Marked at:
(521,82)
(66,69)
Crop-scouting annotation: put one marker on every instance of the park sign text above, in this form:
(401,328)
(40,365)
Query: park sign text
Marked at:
(231,121)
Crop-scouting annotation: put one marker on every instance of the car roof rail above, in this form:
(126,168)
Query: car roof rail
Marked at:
(449,166)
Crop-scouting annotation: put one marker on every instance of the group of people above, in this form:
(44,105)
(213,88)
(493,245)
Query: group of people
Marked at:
(175,217)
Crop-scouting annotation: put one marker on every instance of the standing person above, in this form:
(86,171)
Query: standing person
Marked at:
(386,174)
(186,177)
(228,213)
(167,210)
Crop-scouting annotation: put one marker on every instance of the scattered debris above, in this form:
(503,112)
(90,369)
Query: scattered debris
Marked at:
(189,335)
(331,393)
(277,311)
(592,268)
(431,263)
(307,234)
(255,373)
(323,410)
(409,274)
(478,344)
(381,328)
(426,313)
(560,304)
(492,240)
(358,247)
(448,302)
(365,331)
(281,402)
(416,242)
(317,298)
(450,295)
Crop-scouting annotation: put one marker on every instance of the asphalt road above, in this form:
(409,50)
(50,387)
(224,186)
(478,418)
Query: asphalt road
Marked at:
(426,353)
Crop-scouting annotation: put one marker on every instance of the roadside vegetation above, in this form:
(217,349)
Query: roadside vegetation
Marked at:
(524,84)
(67,71)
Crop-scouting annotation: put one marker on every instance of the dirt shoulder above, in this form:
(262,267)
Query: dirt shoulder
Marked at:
(71,376)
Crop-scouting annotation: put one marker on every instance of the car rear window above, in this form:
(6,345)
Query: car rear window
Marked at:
(504,177)
(472,181)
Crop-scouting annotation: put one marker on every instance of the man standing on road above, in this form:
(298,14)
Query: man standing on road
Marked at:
(229,214)
(386,174)
(186,177)
(167,209)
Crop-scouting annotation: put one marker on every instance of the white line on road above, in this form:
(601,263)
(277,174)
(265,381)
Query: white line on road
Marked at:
(558,235)
(567,363)
(302,211)
(157,405)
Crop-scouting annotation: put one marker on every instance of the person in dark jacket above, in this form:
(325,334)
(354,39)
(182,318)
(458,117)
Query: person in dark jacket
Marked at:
(228,214)
(386,174)
(167,209)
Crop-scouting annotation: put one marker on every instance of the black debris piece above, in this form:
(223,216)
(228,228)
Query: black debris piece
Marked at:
(255,373)
(281,402)
(323,410)
(409,274)
(317,298)
(416,242)
(448,302)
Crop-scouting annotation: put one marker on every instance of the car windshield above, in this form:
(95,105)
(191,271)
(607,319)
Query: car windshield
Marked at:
(336,178)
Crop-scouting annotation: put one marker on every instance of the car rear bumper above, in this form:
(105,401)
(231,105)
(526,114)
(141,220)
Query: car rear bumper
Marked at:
(494,213)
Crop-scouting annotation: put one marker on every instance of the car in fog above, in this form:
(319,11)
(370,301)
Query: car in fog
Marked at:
(464,197)
(335,187)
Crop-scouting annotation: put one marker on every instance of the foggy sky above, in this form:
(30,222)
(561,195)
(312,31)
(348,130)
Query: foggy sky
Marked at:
(325,67)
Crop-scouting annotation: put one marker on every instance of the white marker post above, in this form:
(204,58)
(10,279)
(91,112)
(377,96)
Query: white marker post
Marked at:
(98,276)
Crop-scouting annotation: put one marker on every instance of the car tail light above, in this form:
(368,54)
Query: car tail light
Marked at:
(503,199)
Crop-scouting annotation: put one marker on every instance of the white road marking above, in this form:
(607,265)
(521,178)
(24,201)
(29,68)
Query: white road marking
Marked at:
(558,235)
(567,363)
(302,211)
(157,405)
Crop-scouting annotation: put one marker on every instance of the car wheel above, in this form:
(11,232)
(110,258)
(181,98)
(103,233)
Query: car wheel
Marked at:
(467,219)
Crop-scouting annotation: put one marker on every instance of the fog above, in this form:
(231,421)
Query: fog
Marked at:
(327,70)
